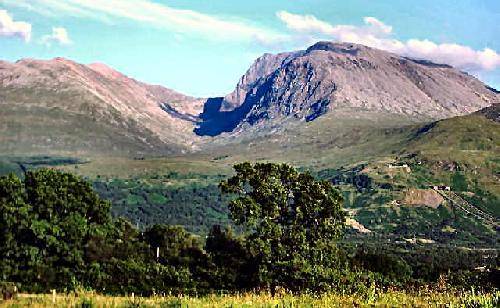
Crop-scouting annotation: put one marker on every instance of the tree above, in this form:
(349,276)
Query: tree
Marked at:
(384,262)
(292,222)
(234,268)
(56,232)
(14,223)
(173,243)
(180,249)
(48,220)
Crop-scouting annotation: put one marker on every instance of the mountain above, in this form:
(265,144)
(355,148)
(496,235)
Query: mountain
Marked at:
(468,145)
(395,194)
(59,106)
(262,67)
(330,77)
(331,100)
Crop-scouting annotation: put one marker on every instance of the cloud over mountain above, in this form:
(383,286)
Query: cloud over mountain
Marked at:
(375,33)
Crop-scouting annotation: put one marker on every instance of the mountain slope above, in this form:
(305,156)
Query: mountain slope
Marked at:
(333,99)
(395,195)
(468,144)
(330,76)
(59,106)
(263,66)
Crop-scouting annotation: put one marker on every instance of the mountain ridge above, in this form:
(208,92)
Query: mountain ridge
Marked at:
(307,84)
(44,100)
(336,110)
(62,91)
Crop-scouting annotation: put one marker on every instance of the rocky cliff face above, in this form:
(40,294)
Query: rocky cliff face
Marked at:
(492,112)
(262,67)
(334,76)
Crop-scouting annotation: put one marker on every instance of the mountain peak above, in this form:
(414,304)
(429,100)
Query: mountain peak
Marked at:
(55,60)
(61,59)
(88,109)
(338,47)
(332,76)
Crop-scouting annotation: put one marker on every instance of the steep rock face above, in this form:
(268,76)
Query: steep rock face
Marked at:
(59,105)
(263,66)
(333,76)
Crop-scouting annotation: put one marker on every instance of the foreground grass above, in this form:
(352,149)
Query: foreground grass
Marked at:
(387,299)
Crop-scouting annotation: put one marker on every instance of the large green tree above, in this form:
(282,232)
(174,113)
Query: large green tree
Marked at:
(57,233)
(182,250)
(47,221)
(292,221)
(14,223)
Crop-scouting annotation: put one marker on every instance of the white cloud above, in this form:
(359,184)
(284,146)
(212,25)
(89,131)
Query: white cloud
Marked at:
(159,15)
(11,28)
(376,34)
(377,25)
(59,35)
(54,9)
(305,23)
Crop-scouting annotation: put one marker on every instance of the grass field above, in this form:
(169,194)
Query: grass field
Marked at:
(386,299)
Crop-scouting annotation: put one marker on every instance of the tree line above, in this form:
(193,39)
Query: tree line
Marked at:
(57,233)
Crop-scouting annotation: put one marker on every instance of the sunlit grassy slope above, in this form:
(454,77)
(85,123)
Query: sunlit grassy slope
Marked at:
(354,149)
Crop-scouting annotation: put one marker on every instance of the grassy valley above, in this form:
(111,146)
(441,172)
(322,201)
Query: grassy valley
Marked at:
(385,170)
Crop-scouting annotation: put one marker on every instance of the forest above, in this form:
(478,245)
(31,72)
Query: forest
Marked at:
(287,232)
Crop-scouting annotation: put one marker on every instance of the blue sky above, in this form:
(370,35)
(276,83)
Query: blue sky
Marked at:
(201,48)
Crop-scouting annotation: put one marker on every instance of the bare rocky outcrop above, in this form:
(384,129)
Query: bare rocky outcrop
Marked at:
(263,66)
(423,197)
(492,112)
(330,76)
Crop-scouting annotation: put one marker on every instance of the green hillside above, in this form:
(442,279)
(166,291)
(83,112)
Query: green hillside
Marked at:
(383,165)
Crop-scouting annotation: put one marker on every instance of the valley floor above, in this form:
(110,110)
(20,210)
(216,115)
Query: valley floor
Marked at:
(369,299)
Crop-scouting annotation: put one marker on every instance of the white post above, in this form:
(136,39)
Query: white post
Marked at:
(53,296)
(157,253)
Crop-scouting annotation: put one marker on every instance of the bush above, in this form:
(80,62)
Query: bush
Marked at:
(390,266)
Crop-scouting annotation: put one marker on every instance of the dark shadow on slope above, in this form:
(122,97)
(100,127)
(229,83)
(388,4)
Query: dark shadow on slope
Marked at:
(424,129)
(215,122)
(318,109)
(176,114)
(428,63)
(492,112)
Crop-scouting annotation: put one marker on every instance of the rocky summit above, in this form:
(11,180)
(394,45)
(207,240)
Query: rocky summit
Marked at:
(326,77)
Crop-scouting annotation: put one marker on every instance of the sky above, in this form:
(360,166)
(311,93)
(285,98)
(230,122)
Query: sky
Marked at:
(201,48)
